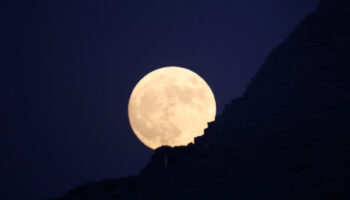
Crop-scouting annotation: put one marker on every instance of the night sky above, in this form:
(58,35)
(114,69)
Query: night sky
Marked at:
(68,68)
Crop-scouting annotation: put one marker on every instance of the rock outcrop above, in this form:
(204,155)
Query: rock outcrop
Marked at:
(287,137)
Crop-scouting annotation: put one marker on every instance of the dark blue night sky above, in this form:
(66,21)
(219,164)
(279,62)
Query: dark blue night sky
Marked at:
(68,69)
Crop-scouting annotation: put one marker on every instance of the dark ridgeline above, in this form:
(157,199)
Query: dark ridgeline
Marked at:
(287,137)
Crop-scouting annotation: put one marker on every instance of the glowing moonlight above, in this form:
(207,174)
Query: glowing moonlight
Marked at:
(170,106)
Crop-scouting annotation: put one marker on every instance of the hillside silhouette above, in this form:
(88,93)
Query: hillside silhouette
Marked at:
(287,137)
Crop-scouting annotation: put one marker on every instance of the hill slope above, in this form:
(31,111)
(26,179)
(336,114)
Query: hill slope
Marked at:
(287,137)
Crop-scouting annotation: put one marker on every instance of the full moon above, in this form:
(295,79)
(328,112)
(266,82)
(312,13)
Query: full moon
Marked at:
(170,106)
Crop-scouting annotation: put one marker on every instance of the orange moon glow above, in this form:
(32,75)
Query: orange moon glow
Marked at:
(170,106)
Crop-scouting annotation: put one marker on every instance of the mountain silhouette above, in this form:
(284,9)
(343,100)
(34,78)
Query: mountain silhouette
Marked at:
(287,137)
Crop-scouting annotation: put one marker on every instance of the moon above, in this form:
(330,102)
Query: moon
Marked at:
(170,106)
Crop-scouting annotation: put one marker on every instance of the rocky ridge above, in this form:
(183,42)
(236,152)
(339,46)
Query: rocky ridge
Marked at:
(287,137)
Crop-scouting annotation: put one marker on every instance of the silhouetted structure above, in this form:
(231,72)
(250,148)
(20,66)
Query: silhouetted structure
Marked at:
(286,138)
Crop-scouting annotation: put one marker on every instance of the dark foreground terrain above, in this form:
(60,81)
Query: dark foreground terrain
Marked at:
(287,137)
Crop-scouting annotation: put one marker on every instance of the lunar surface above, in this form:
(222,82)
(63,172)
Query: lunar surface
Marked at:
(170,106)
